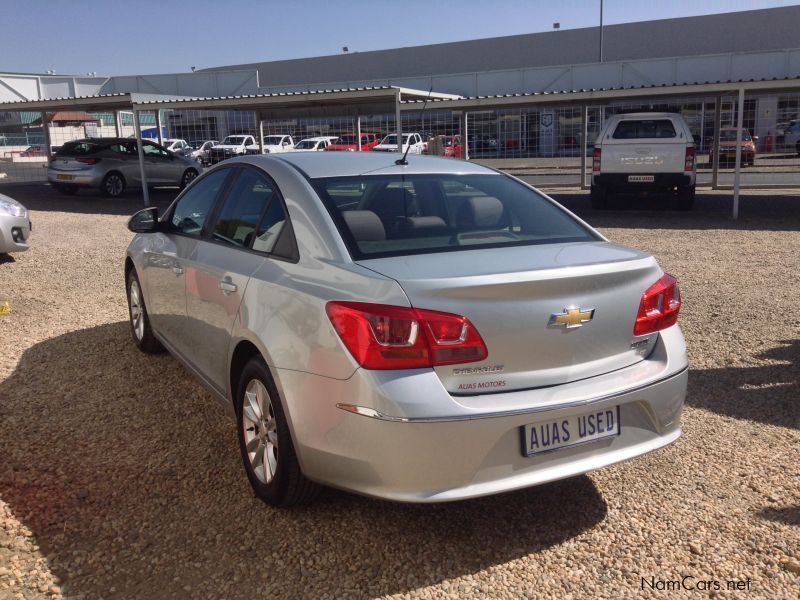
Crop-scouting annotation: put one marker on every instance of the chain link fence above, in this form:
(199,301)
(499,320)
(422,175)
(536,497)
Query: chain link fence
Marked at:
(544,142)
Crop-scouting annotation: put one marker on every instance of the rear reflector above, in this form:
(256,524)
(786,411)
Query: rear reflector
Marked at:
(380,336)
(596,155)
(689,162)
(659,306)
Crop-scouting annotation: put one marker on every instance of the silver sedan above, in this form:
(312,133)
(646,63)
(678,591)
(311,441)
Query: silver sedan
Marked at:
(420,331)
(112,166)
(15,226)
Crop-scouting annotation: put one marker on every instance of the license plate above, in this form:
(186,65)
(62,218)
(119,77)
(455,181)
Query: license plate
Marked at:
(64,177)
(641,178)
(546,436)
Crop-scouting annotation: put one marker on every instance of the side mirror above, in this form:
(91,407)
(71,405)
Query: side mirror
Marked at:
(144,221)
(755,138)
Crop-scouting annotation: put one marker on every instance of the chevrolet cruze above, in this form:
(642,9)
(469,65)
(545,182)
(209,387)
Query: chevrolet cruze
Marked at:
(422,331)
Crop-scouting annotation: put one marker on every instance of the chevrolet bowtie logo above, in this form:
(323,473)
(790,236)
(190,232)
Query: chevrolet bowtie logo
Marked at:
(571,317)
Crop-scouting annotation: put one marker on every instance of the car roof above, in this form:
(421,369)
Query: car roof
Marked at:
(348,164)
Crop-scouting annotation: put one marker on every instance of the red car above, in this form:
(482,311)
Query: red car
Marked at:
(36,150)
(727,147)
(347,142)
(447,145)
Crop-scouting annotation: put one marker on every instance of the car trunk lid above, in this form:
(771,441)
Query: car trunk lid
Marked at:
(514,295)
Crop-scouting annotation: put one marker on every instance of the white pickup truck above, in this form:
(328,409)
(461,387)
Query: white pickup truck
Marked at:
(233,145)
(644,153)
(411,142)
(277,143)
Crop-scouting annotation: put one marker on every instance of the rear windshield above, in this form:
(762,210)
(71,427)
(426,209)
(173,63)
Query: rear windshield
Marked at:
(415,214)
(635,130)
(80,148)
(728,135)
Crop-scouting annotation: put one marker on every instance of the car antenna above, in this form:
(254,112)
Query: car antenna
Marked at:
(403,161)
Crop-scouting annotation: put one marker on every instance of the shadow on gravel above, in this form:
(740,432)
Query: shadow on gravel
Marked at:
(42,197)
(789,515)
(773,212)
(128,475)
(767,394)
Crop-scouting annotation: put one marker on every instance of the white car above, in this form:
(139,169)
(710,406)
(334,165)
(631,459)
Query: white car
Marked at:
(15,226)
(233,145)
(202,150)
(176,146)
(278,143)
(411,142)
(644,153)
(315,144)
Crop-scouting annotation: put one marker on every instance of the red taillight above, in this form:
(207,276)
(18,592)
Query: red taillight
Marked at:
(596,154)
(689,163)
(659,306)
(380,336)
(88,161)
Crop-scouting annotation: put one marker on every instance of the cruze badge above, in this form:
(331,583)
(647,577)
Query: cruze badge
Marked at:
(571,318)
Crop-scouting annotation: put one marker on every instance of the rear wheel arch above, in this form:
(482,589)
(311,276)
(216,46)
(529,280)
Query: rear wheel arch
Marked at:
(245,350)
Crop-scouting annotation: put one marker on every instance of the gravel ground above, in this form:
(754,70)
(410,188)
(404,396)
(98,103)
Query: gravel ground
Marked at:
(120,477)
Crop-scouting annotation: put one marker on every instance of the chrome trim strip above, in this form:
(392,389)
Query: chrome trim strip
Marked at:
(374,414)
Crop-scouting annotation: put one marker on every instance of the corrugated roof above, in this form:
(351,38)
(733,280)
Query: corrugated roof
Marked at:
(662,86)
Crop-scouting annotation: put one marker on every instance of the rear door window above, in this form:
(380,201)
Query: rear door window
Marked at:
(644,129)
(244,207)
(253,216)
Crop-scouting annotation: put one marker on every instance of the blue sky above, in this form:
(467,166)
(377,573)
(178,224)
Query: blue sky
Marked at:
(117,37)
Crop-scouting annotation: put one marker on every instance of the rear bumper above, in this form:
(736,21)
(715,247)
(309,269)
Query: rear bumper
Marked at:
(83,178)
(660,180)
(409,440)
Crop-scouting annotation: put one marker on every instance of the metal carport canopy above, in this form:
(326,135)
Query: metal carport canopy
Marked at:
(321,103)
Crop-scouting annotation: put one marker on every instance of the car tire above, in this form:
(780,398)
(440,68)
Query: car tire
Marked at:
(139,321)
(265,441)
(599,197)
(684,200)
(189,175)
(67,190)
(113,184)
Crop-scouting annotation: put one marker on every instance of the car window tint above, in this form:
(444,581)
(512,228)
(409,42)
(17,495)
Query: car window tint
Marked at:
(412,214)
(193,208)
(79,149)
(150,150)
(270,228)
(246,203)
(644,129)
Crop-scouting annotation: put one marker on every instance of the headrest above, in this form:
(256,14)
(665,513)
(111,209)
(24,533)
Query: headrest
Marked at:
(421,226)
(364,225)
(480,211)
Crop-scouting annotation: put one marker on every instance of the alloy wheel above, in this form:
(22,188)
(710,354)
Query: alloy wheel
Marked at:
(260,430)
(114,185)
(137,310)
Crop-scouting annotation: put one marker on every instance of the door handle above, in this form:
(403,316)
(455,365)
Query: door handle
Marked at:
(177,270)
(227,287)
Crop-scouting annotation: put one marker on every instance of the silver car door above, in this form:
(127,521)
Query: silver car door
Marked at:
(167,254)
(160,165)
(219,273)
